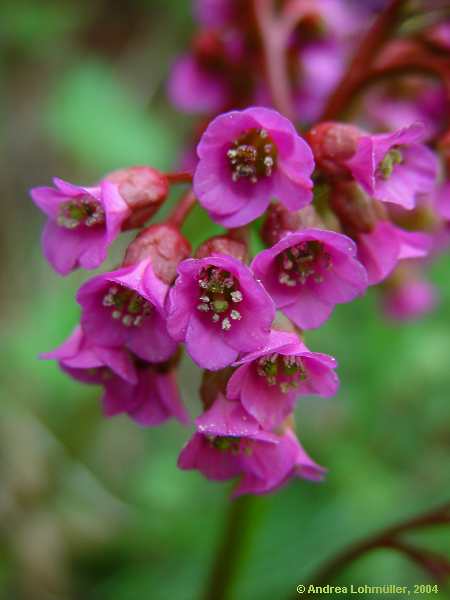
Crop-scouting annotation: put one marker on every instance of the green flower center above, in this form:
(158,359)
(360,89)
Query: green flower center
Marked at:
(83,211)
(126,305)
(219,296)
(231,444)
(252,156)
(298,263)
(286,372)
(386,166)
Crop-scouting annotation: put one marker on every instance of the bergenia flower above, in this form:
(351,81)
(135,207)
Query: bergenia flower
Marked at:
(229,443)
(146,392)
(82,223)
(219,309)
(320,67)
(268,382)
(193,88)
(308,272)
(126,308)
(382,249)
(248,157)
(395,167)
(154,398)
(409,299)
(90,363)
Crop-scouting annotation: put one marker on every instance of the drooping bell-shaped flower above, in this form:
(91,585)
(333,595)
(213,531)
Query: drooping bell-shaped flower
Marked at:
(229,443)
(381,250)
(308,272)
(219,309)
(248,157)
(395,167)
(148,393)
(269,381)
(126,308)
(82,223)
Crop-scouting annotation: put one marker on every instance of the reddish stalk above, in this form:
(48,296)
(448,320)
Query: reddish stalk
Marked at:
(387,538)
(381,30)
(181,211)
(179,177)
(274,34)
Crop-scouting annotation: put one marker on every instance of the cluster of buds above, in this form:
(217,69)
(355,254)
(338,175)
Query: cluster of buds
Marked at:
(342,209)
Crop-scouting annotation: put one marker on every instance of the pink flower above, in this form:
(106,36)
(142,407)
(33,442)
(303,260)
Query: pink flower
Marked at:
(147,393)
(152,400)
(395,167)
(310,271)
(218,308)
(229,443)
(126,308)
(245,159)
(82,223)
(89,363)
(320,67)
(193,88)
(382,249)
(269,381)
(409,299)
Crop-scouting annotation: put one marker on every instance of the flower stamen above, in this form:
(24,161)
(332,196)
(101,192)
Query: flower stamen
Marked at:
(128,306)
(252,156)
(218,294)
(84,211)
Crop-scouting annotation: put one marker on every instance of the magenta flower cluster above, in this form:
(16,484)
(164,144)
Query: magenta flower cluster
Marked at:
(338,207)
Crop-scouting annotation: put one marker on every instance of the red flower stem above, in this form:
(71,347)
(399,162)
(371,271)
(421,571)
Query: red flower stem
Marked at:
(414,62)
(381,30)
(384,539)
(240,234)
(179,177)
(181,211)
(433,564)
(274,36)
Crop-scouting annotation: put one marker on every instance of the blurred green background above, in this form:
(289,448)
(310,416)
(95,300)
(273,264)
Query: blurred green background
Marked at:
(96,509)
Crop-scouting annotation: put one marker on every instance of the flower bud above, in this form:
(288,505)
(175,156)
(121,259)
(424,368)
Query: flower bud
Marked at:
(144,189)
(223,244)
(332,145)
(208,48)
(280,220)
(356,211)
(165,245)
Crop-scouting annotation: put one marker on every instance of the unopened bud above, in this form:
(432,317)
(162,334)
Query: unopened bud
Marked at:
(144,189)
(332,145)
(280,220)
(356,211)
(208,48)
(166,246)
(223,244)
